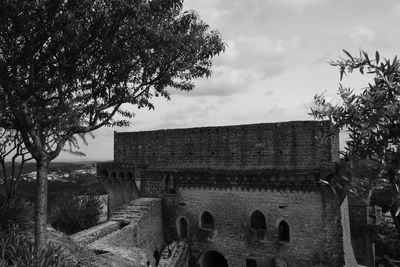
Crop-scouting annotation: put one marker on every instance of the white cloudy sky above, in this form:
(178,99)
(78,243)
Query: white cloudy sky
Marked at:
(276,60)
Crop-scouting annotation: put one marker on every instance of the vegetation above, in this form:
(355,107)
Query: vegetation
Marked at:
(372,119)
(68,67)
(74,213)
(17,249)
(387,242)
(17,212)
(12,150)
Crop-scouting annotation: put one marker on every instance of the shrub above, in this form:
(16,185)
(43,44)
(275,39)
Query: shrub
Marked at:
(17,248)
(73,213)
(17,211)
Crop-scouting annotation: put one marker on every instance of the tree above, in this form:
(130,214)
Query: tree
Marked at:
(67,67)
(372,119)
(11,146)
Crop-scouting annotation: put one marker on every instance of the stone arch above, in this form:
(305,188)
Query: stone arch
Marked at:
(258,224)
(170,187)
(258,220)
(113,174)
(212,258)
(182,226)
(121,175)
(283,228)
(129,175)
(207,221)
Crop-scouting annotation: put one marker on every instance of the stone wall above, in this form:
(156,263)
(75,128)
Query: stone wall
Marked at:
(132,233)
(349,257)
(231,172)
(150,235)
(286,145)
(121,182)
(233,237)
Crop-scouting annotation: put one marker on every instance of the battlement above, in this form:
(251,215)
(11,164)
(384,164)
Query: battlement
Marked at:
(254,179)
(284,145)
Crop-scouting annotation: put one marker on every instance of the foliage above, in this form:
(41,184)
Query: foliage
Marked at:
(372,119)
(17,249)
(67,67)
(74,213)
(387,242)
(17,212)
(12,150)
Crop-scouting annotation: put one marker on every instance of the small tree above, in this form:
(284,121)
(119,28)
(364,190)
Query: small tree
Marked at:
(12,150)
(372,119)
(67,67)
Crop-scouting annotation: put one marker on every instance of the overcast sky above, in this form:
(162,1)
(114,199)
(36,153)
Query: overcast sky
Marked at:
(276,60)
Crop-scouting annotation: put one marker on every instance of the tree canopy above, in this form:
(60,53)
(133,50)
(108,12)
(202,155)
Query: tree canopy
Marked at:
(67,67)
(371,117)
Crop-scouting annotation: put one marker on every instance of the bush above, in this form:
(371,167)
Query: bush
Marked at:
(17,212)
(73,213)
(18,249)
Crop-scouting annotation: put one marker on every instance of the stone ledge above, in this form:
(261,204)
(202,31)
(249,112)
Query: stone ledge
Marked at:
(89,235)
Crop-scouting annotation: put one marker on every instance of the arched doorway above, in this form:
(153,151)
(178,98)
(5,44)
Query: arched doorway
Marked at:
(182,228)
(213,259)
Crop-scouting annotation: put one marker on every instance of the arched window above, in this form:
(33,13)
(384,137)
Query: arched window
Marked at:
(258,221)
(258,224)
(182,228)
(207,221)
(170,184)
(284,231)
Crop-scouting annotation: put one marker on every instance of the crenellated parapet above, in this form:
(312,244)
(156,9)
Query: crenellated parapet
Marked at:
(266,179)
(156,183)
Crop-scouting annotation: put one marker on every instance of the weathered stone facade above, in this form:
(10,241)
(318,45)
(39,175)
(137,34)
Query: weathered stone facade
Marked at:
(247,195)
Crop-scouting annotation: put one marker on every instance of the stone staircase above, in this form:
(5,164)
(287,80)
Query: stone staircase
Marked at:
(119,241)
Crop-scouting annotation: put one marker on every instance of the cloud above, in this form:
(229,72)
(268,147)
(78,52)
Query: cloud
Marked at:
(248,59)
(255,6)
(362,33)
(224,81)
(190,116)
(298,3)
(273,111)
(260,53)
(396,8)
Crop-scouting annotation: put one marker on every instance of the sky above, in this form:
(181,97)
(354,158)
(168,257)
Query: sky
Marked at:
(277,58)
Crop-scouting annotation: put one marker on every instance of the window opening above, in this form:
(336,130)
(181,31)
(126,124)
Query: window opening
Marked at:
(207,221)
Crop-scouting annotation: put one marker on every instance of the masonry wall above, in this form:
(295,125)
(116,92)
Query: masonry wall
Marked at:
(121,183)
(286,145)
(149,231)
(233,237)
(349,257)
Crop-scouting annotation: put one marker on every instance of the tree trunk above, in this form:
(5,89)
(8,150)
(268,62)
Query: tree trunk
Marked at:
(41,201)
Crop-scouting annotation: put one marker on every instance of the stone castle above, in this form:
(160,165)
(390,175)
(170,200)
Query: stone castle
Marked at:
(246,195)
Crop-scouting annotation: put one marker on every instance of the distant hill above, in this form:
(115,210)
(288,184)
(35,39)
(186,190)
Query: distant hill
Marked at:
(65,166)
(78,183)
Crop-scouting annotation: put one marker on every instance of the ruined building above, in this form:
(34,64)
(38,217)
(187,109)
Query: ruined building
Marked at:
(246,195)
